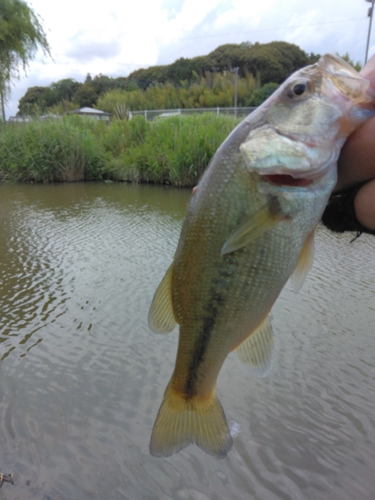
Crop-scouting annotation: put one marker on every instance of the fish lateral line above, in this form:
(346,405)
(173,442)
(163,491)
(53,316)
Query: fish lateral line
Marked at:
(200,349)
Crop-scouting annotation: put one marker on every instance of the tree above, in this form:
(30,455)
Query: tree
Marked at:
(180,70)
(290,55)
(259,95)
(102,83)
(35,100)
(228,56)
(265,65)
(274,61)
(85,96)
(313,58)
(21,35)
(357,66)
(65,89)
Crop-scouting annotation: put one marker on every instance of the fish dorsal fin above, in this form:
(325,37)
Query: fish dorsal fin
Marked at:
(304,263)
(161,317)
(256,350)
(253,227)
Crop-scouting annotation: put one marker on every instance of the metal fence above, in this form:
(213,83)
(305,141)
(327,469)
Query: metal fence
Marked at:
(165,113)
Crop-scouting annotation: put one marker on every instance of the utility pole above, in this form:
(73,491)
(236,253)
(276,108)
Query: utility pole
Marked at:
(370,14)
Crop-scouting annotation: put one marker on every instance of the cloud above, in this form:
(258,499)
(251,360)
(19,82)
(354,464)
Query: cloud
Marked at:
(94,50)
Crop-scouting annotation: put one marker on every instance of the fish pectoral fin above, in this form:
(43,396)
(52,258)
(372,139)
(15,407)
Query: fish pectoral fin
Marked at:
(254,226)
(182,421)
(161,316)
(256,350)
(304,263)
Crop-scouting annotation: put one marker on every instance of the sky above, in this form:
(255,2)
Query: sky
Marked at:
(115,37)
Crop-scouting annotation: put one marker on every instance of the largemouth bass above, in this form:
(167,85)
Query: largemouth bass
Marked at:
(249,227)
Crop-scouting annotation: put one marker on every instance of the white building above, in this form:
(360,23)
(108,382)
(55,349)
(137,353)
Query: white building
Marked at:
(93,113)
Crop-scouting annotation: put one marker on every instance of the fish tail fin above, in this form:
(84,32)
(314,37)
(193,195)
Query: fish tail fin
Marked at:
(182,421)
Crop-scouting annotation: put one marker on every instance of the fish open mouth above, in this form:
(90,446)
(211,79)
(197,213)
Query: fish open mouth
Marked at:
(287,180)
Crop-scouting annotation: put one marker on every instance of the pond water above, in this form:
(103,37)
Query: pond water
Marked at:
(82,377)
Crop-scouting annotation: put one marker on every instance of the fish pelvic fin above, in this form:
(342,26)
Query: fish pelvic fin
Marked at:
(254,226)
(161,316)
(304,263)
(181,421)
(256,350)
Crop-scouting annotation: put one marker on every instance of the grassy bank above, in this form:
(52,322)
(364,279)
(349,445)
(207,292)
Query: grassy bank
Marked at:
(173,151)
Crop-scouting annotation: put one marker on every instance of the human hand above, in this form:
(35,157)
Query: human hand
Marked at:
(357,165)
(354,208)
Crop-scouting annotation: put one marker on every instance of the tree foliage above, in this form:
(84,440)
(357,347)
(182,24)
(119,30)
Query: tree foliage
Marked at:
(204,81)
(86,96)
(210,91)
(357,66)
(34,99)
(65,89)
(21,35)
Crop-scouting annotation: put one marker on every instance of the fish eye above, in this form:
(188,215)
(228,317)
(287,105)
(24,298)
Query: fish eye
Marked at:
(299,89)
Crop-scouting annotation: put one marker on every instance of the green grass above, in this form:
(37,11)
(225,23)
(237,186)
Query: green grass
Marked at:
(173,150)
(63,150)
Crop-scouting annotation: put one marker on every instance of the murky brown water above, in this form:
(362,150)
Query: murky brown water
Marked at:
(82,377)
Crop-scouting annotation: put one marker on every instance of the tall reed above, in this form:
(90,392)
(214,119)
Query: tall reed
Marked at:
(173,150)
(53,150)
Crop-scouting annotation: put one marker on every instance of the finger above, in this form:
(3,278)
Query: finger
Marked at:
(364,205)
(357,160)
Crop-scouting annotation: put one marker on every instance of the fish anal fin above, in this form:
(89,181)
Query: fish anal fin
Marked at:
(182,421)
(254,226)
(256,350)
(304,263)
(161,317)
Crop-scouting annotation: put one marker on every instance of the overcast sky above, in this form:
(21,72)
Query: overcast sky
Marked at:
(115,37)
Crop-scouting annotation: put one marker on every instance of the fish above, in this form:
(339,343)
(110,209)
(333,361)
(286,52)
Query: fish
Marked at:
(249,228)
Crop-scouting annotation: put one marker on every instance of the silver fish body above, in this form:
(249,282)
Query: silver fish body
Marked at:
(249,227)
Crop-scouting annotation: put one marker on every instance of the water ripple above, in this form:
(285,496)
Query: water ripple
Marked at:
(82,376)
